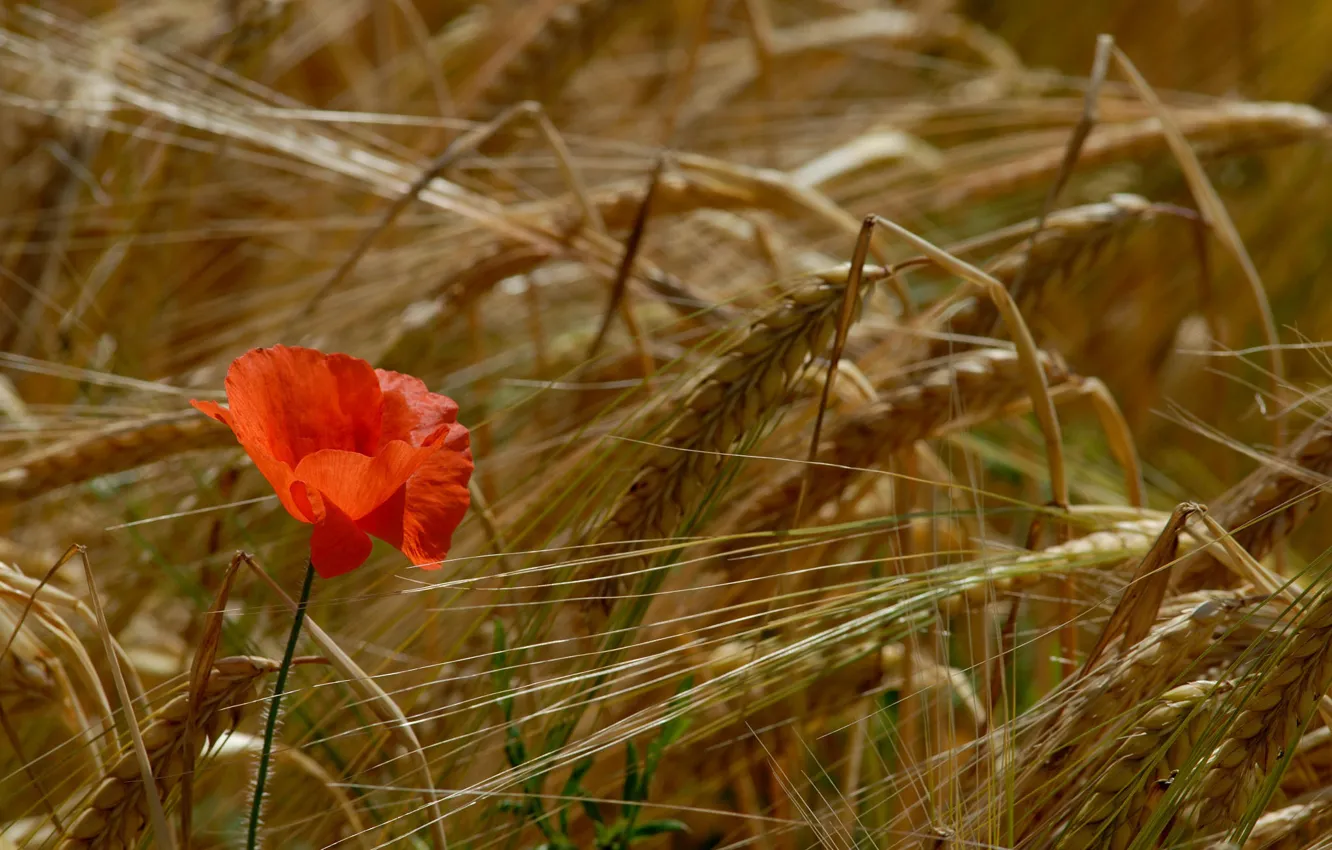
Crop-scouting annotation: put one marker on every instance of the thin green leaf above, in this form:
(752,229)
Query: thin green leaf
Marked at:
(514,748)
(658,827)
(631,774)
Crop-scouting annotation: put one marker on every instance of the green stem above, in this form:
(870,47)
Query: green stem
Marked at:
(256,807)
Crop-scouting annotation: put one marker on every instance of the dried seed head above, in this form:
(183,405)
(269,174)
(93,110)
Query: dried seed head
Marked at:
(115,813)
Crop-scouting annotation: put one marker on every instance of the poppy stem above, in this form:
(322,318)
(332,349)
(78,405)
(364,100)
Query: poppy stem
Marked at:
(252,841)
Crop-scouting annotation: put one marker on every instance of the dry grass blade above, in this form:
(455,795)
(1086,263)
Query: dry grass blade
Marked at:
(142,758)
(1100,64)
(461,146)
(200,670)
(850,305)
(621,282)
(1269,504)
(1137,608)
(1241,562)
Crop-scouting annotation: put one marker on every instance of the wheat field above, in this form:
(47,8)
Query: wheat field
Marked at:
(896,425)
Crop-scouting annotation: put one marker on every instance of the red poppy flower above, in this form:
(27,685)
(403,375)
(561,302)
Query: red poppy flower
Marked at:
(353,450)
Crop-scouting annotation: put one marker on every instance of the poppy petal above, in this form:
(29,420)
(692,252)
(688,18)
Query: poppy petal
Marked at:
(358,484)
(292,402)
(385,521)
(337,546)
(213,410)
(413,413)
(437,499)
(278,474)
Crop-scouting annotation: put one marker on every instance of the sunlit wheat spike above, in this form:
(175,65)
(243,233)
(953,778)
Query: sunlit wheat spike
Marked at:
(115,449)
(971,388)
(1271,716)
(1120,798)
(678,193)
(28,677)
(116,813)
(1105,547)
(744,390)
(1090,716)
(1269,504)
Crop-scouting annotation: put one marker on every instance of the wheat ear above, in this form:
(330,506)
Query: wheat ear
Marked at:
(1102,704)
(1294,827)
(1216,131)
(1270,720)
(1267,505)
(1068,235)
(539,63)
(730,402)
(1123,795)
(972,387)
(116,813)
(111,450)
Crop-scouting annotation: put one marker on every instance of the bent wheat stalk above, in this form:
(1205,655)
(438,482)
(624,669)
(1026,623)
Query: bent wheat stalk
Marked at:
(1028,355)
